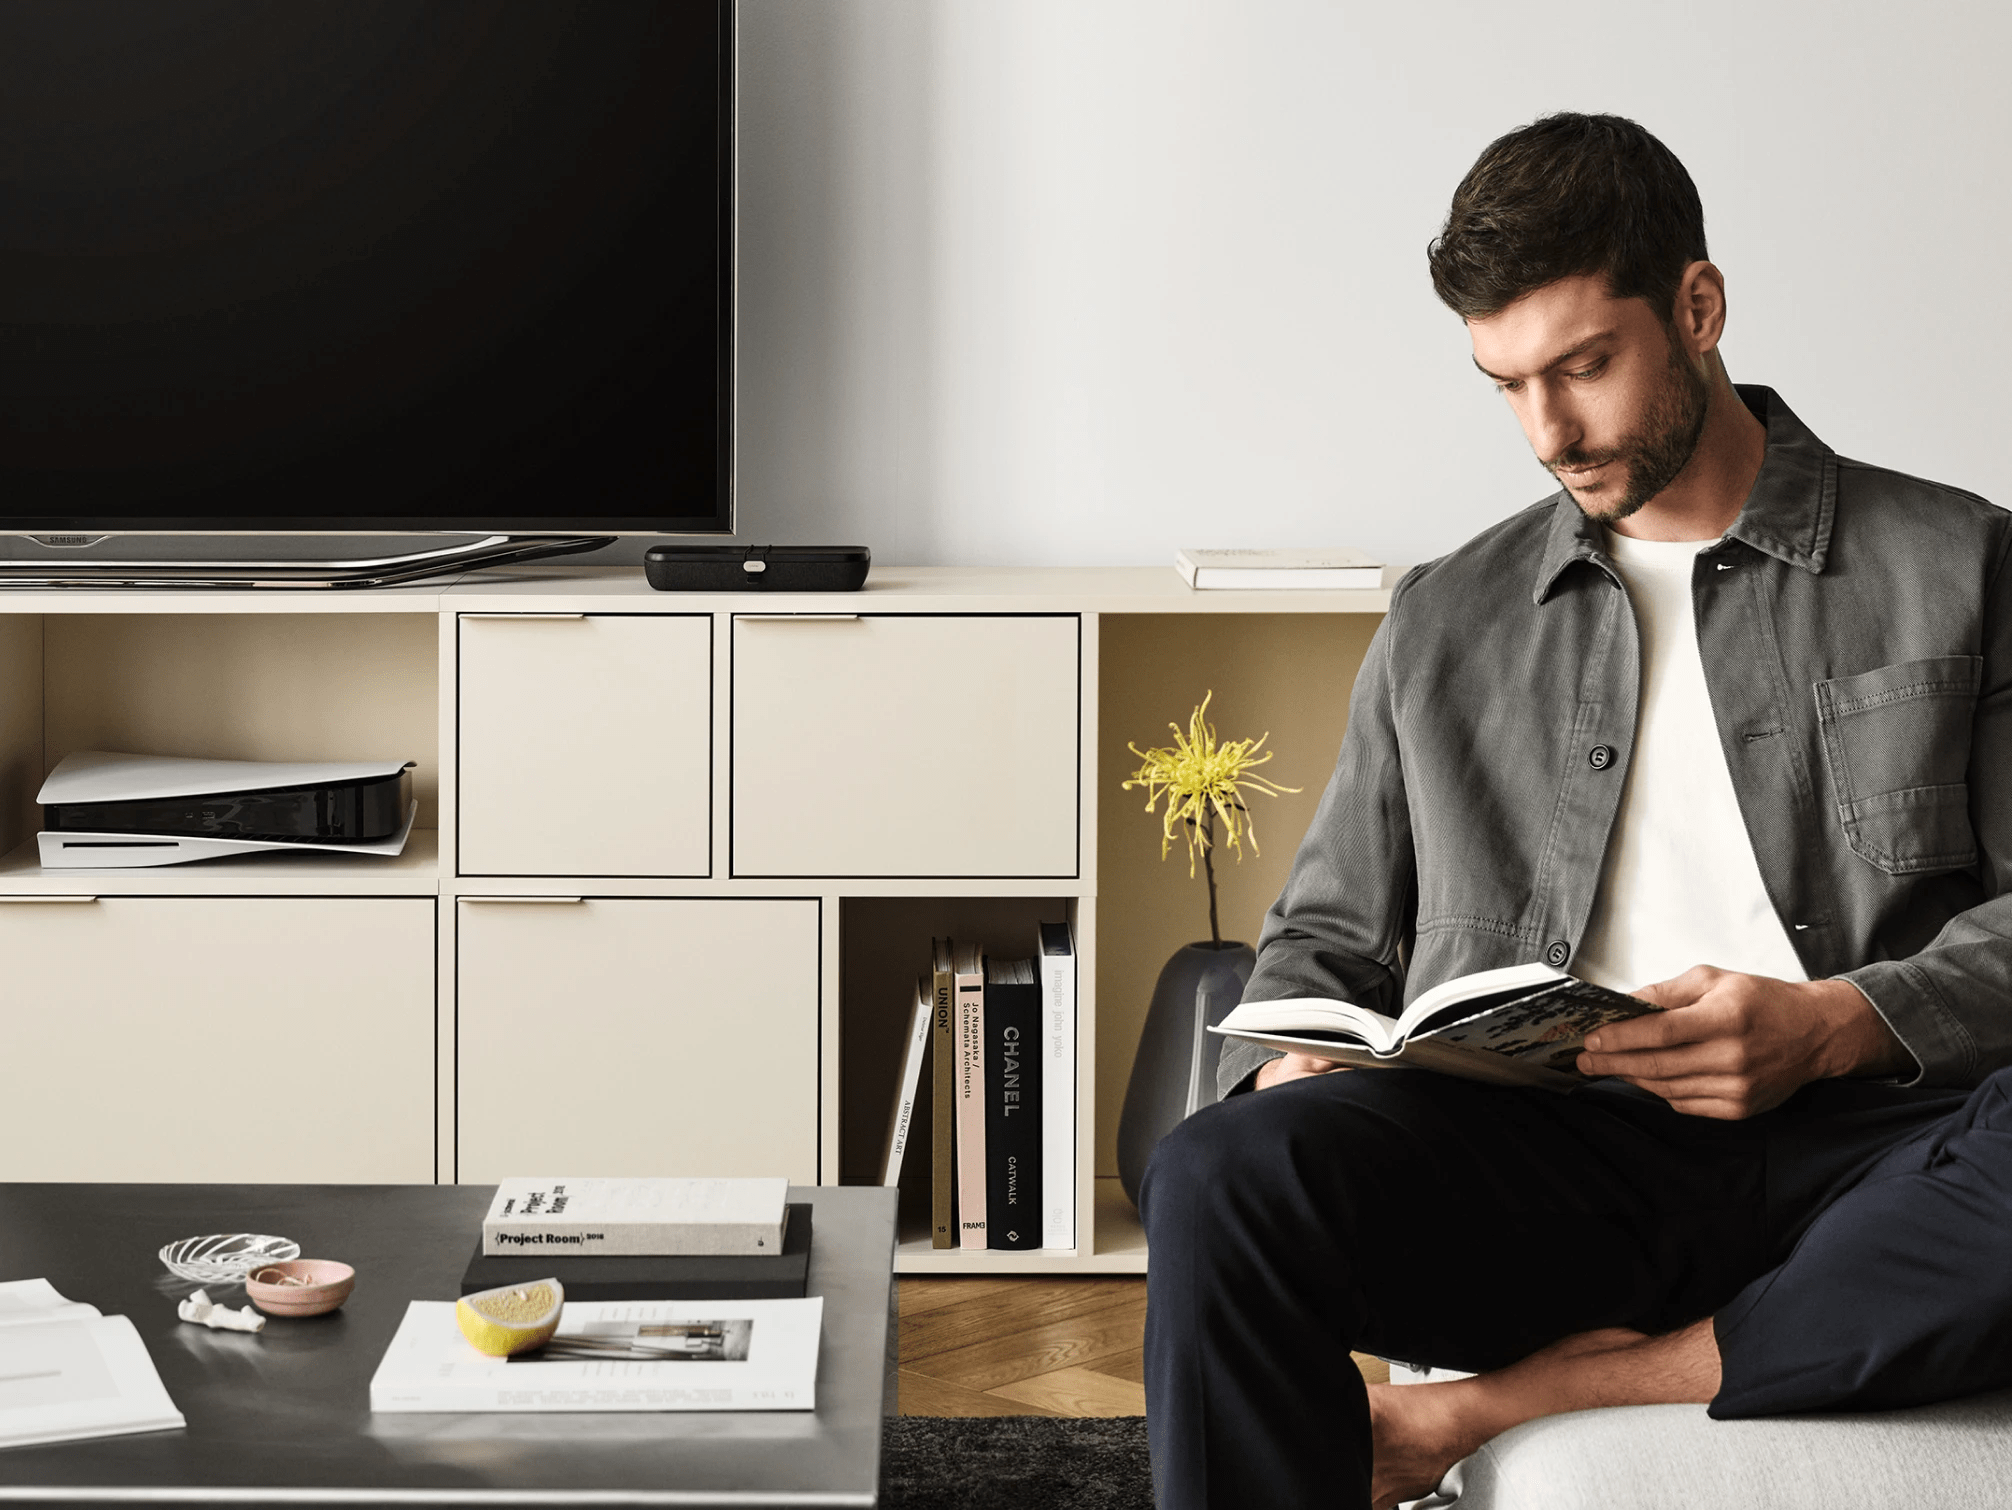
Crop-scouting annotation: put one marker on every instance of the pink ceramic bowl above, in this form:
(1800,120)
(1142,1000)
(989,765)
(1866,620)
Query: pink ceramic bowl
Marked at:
(300,1286)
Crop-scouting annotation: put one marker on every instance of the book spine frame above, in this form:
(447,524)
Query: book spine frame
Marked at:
(1013,1216)
(943,1114)
(971,1111)
(631,1239)
(1268,578)
(911,1075)
(1058,1100)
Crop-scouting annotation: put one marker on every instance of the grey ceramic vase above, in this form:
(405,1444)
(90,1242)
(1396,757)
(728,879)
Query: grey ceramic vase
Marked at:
(1174,1072)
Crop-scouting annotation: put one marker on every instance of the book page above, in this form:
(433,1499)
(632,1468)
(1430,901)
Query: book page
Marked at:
(1311,1016)
(38,1300)
(1462,997)
(1546,1028)
(67,1379)
(52,1364)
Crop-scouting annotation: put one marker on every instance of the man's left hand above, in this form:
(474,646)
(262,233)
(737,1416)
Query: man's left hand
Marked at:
(1729,1045)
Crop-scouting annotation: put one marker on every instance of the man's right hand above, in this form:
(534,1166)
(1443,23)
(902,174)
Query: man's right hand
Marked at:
(1292,1067)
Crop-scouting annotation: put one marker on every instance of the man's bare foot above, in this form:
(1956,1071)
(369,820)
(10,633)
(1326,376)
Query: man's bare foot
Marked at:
(1417,1439)
(1421,1430)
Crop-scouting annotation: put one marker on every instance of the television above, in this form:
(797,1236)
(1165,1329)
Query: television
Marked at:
(306,268)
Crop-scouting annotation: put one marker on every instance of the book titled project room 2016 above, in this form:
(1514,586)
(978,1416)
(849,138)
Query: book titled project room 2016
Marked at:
(507,1240)
(628,1217)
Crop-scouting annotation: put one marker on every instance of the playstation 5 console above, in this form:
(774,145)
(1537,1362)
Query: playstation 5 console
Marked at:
(105,811)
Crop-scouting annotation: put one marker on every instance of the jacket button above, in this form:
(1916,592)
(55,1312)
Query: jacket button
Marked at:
(1600,757)
(1556,955)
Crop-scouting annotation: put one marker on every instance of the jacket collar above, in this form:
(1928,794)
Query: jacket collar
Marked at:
(1787,515)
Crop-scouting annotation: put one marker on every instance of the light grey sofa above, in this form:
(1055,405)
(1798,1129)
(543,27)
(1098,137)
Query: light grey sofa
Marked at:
(1675,1457)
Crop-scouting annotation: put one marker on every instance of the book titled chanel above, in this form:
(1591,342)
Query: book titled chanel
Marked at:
(636,1216)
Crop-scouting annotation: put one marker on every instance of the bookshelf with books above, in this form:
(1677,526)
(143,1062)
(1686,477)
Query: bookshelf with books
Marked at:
(1286,671)
(1023,950)
(805,824)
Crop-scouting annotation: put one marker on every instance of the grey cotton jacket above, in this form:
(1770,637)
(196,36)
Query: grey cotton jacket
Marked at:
(1856,631)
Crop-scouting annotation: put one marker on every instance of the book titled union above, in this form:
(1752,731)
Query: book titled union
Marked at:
(573,1217)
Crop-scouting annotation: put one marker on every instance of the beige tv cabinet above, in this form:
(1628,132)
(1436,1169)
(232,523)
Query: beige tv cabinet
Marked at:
(679,859)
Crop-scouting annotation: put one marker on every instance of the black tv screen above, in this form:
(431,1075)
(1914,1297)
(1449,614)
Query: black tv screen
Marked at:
(365,265)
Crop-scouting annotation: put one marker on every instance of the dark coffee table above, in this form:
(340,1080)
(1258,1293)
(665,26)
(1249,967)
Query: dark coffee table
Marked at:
(284,1416)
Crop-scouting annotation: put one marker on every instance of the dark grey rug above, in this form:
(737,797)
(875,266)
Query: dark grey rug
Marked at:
(1015,1463)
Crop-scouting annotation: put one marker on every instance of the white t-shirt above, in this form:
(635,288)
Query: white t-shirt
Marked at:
(1680,886)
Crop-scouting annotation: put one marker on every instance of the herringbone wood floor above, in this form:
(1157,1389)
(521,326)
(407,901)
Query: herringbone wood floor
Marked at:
(1028,1347)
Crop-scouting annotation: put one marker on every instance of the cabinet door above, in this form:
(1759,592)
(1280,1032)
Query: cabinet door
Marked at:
(218,1039)
(638,1036)
(890,745)
(586,745)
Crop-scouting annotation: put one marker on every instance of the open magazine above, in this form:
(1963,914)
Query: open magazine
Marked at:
(613,1355)
(67,1372)
(1520,1025)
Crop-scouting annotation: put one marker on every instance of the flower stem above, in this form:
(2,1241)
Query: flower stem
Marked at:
(1209,864)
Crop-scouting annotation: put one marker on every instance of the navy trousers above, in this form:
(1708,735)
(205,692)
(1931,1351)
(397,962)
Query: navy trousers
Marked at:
(1854,1247)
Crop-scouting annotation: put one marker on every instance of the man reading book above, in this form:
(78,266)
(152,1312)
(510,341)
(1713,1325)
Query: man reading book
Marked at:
(1726,722)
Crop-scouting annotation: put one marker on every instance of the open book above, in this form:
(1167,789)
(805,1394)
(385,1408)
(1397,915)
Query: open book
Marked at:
(67,1372)
(1520,1025)
(614,1355)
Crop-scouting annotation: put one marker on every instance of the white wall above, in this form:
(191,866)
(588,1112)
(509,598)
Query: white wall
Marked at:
(1079,281)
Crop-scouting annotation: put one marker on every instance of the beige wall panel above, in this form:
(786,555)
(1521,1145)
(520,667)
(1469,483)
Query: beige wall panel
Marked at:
(906,746)
(1288,675)
(249,686)
(586,745)
(620,1036)
(218,1039)
(20,725)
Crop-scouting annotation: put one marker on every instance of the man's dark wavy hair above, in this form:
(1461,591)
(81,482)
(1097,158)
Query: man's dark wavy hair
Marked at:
(1563,196)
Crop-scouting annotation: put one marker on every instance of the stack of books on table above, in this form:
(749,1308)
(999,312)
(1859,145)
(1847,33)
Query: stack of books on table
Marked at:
(679,1294)
(1000,1037)
(645,1239)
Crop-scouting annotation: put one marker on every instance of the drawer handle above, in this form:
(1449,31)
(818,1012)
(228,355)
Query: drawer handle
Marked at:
(29,897)
(796,618)
(530,901)
(523,616)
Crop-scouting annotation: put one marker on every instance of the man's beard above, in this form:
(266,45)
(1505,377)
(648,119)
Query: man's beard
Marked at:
(1657,452)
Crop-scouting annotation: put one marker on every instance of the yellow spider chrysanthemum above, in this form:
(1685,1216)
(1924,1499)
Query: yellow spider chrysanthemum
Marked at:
(1203,780)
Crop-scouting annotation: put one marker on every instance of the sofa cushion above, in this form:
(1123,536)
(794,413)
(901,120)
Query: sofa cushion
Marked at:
(1675,1457)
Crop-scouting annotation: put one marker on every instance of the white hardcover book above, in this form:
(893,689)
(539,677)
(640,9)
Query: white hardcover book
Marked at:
(576,1216)
(1334,568)
(689,1355)
(1057,964)
(67,1373)
(911,1081)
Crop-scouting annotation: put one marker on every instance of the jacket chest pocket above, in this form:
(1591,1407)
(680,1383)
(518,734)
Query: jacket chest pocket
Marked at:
(1897,742)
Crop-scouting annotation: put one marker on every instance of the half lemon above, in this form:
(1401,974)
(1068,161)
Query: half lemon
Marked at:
(512,1319)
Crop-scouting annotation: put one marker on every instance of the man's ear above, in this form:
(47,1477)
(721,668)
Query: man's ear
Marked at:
(1699,314)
